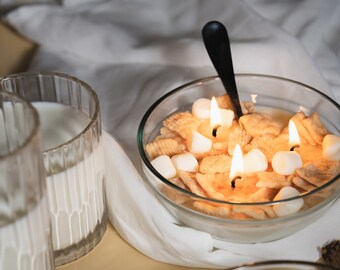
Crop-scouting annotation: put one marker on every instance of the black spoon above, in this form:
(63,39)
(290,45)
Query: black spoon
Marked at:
(216,41)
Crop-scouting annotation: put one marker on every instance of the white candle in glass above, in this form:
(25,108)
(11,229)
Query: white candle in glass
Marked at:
(75,202)
(286,162)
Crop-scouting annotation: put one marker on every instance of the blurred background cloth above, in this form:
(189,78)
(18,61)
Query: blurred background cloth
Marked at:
(133,51)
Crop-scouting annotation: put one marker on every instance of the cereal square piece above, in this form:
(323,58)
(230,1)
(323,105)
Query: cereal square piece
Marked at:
(258,124)
(174,194)
(182,123)
(281,143)
(190,181)
(271,180)
(310,153)
(205,129)
(264,143)
(315,128)
(167,147)
(220,148)
(319,172)
(178,182)
(247,107)
(224,102)
(251,211)
(223,132)
(212,209)
(303,132)
(302,184)
(166,133)
(238,136)
(268,210)
(215,164)
(213,184)
(264,194)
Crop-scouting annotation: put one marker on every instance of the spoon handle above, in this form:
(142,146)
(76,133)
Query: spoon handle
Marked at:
(216,41)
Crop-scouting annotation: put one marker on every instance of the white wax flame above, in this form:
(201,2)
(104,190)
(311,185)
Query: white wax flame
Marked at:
(294,138)
(215,115)
(236,163)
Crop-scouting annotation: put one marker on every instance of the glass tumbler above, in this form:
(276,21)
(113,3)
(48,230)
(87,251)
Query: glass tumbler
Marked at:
(25,239)
(73,158)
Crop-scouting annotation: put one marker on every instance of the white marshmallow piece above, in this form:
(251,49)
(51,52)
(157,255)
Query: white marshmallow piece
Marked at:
(185,162)
(227,117)
(164,166)
(200,143)
(201,108)
(290,207)
(331,147)
(286,162)
(255,161)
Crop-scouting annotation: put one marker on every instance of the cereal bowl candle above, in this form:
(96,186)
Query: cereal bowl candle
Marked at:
(287,171)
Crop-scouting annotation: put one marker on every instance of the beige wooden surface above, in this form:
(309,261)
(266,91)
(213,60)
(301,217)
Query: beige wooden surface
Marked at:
(112,252)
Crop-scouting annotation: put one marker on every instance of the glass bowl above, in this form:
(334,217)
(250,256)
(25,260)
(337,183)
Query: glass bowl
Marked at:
(284,265)
(264,91)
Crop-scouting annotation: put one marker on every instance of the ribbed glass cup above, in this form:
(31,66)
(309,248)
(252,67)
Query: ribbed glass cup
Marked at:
(25,235)
(73,157)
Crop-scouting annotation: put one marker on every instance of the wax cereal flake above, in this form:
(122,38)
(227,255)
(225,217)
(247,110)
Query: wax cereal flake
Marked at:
(319,172)
(215,210)
(182,123)
(168,147)
(190,181)
(258,124)
(215,164)
(271,180)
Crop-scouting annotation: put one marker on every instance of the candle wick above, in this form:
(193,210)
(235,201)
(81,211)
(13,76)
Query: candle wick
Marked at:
(233,181)
(214,132)
(294,146)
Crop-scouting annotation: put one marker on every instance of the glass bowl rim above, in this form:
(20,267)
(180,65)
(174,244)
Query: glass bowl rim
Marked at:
(146,161)
(278,262)
(86,86)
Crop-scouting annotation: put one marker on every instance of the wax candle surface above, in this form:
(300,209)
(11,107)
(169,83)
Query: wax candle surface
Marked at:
(185,162)
(286,162)
(199,143)
(59,123)
(164,166)
(289,207)
(255,161)
(201,108)
(281,117)
(268,165)
(75,194)
(331,147)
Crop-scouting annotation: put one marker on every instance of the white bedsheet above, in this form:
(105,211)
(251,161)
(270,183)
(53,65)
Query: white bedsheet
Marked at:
(133,51)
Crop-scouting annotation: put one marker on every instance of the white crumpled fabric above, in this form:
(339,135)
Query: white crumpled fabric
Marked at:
(132,52)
